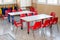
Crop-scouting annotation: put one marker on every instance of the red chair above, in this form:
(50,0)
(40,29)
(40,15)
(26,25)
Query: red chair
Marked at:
(14,10)
(53,14)
(39,25)
(22,15)
(17,24)
(33,10)
(54,20)
(6,12)
(46,23)
(35,27)
(4,17)
(29,14)
(19,9)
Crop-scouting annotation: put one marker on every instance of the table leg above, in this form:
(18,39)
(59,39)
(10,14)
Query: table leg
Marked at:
(8,18)
(12,20)
(42,21)
(28,29)
(21,23)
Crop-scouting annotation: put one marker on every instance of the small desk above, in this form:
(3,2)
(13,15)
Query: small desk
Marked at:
(34,18)
(12,14)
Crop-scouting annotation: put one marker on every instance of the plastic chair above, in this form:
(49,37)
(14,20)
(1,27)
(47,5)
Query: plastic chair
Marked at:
(36,26)
(6,12)
(53,14)
(39,25)
(17,24)
(33,10)
(54,21)
(22,15)
(29,14)
(13,10)
(19,9)
(46,23)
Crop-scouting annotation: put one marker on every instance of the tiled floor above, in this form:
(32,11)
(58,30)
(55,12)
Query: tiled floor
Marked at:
(22,34)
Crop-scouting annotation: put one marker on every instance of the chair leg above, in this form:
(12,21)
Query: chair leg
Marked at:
(16,30)
(57,27)
(13,28)
(33,35)
(51,29)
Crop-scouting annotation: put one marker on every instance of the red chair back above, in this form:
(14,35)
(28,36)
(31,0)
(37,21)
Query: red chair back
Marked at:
(29,14)
(54,20)
(22,15)
(6,12)
(33,10)
(35,13)
(14,10)
(46,23)
(15,22)
(37,25)
(53,14)
(19,9)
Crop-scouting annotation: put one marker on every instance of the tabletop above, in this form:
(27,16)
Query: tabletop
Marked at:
(21,12)
(36,17)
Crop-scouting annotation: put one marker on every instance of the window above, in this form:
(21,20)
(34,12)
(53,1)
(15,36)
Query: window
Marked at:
(0,1)
(41,1)
(59,2)
(24,3)
(52,1)
(9,1)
